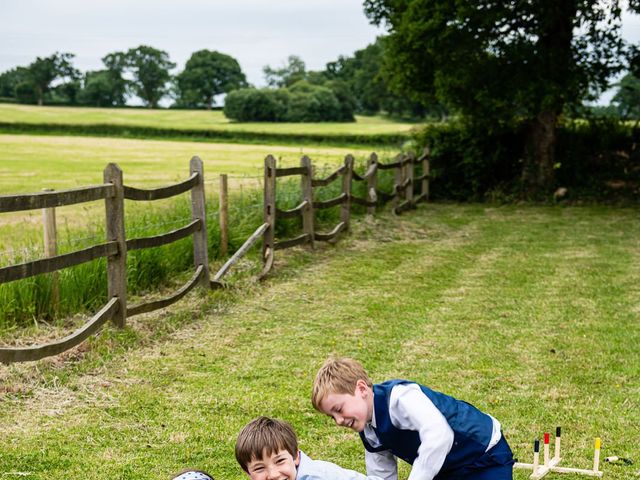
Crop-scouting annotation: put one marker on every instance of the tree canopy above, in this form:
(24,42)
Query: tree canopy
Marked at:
(150,70)
(365,77)
(627,98)
(293,71)
(44,71)
(496,62)
(10,80)
(206,74)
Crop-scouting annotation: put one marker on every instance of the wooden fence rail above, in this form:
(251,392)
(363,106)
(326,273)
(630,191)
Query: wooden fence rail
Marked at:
(115,249)
(114,192)
(402,195)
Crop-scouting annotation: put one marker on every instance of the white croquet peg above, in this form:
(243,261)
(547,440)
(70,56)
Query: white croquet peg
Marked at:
(536,455)
(546,449)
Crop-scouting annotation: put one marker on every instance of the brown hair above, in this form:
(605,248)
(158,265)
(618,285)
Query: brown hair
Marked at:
(337,375)
(264,436)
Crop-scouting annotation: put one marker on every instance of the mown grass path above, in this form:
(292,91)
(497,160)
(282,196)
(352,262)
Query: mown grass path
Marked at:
(530,313)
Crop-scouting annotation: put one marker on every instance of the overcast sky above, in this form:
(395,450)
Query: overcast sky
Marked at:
(255,32)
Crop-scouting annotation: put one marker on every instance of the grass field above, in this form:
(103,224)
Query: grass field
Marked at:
(530,313)
(191,119)
(29,163)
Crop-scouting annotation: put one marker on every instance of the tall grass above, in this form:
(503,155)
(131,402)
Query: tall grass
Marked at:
(83,288)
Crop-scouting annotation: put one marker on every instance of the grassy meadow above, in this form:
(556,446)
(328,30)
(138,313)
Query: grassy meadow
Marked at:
(530,313)
(192,119)
(30,163)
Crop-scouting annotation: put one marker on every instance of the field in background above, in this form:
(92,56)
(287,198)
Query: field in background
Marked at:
(192,119)
(29,163)
(529,313)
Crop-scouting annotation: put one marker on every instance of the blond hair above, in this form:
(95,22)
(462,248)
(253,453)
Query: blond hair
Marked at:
(263,437)
(337,375)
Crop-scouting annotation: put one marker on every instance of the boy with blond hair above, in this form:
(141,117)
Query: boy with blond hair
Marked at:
(267,449)
(441,437)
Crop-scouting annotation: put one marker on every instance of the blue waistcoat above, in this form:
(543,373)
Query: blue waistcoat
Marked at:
(472,429)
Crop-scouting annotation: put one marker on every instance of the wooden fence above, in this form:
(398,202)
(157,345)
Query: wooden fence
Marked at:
(402,195)
(113,192)
(115,248)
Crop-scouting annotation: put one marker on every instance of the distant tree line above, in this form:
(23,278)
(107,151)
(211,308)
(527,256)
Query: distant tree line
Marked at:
(350,85)
(143,71)
(389,76)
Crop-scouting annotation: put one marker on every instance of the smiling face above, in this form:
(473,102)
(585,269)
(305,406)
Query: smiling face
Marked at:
(279,465)
(350,411)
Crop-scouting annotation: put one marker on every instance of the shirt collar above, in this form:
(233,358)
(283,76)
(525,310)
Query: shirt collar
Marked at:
(373,416)
(303,463)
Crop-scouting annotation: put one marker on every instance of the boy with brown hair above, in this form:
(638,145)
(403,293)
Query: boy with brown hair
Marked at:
(267,449)
(441,437)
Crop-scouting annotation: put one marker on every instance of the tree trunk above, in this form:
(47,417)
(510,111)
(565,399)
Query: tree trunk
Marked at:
(538,174)
(555,65)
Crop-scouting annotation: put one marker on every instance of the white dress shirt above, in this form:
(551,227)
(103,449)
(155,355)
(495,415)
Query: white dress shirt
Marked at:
(319,470)
(411,409)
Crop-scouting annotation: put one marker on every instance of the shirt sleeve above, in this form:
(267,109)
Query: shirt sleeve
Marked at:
(381,464)
(411,409)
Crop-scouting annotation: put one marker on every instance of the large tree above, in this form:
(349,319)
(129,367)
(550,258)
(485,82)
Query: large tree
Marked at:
(206,74)
(497,62)
(150,70)
(44,71)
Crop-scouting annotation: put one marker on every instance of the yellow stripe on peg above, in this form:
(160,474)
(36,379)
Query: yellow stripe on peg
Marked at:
(596,455)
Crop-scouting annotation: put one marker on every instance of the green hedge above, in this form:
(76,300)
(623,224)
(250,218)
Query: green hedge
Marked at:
(598,160)
(126,131)
(301,102)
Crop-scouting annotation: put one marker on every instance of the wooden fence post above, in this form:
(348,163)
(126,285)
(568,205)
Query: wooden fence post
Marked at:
(408,174)
(399,178)
(224,216)
(372,183)
(425,172)
(200,251)
(116,264)
(269,206)
(307,196)
(51,250)
(345,208)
